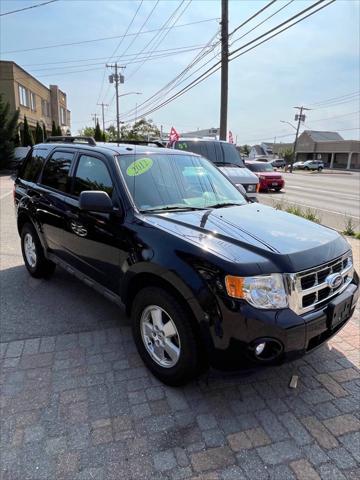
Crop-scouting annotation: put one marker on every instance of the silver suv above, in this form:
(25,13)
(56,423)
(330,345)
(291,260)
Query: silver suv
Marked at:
(225,156)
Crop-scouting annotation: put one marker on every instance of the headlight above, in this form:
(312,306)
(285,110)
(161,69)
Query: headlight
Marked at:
(264,291)
(251,188)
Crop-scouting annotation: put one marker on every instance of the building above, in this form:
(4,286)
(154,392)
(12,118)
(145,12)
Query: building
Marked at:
(34,100)
(329,147)
(208,132)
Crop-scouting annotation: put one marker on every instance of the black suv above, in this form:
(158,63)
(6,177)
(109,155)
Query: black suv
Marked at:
(206,276)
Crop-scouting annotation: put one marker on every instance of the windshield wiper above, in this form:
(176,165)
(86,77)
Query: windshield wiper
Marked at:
(225,204)
(171,208)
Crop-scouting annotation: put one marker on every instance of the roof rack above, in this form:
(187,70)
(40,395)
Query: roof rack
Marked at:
(69,139)
(157,143)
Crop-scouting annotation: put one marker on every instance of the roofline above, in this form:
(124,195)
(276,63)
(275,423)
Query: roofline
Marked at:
(27,73)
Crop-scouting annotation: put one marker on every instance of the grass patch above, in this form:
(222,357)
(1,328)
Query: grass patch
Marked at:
(349,227)
(309,214)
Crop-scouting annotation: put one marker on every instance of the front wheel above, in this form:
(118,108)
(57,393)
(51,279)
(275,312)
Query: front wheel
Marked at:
(164,336)
(36,263)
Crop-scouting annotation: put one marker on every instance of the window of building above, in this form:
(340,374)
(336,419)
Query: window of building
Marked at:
(23,96)
(33,165)
(45,108)
(92,174)
(63,116)
(33,101)
(56,171)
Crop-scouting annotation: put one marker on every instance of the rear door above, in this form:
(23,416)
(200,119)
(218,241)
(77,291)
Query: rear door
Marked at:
(53,187)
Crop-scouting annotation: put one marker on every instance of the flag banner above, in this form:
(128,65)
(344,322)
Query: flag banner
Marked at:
(173,137)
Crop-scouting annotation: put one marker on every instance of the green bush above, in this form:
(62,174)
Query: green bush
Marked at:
(349,227)
(8,133)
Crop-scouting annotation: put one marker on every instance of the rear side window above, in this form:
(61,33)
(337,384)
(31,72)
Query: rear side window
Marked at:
(56,171)
(33,165)
(92,174)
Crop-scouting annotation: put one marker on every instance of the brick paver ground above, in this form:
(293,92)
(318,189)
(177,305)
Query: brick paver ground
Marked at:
(83,407)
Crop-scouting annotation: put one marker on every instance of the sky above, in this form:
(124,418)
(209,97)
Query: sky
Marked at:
(310,63)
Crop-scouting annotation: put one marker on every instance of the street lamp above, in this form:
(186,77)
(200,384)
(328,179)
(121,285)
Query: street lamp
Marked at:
(291,125)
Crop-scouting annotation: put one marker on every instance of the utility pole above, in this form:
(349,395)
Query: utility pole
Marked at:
(300,118)
(103,116)
(116,78)
(94,117)
(224,68)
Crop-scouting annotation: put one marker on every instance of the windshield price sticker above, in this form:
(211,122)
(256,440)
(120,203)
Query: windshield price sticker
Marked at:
(139,167)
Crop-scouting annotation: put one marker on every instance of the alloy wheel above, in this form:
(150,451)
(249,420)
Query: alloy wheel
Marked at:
(30,250)
(160,336)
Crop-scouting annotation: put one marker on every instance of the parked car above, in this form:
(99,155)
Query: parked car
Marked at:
(297,165)
(207,277)
(269,178)
(278,163)
(226,157)
(313,165)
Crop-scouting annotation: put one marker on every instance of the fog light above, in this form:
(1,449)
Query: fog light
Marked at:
(260,348)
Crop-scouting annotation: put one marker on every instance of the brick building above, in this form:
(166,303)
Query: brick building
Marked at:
(34,100)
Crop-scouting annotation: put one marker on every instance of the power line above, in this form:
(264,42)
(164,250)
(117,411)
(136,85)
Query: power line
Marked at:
(216,66)
(162,54)
(116,49)
(336,116)
(177,80)
(334,98)
(107,38)
(165,33)
(27,8)
(104,58)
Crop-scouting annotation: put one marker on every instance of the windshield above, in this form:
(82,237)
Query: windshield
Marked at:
(260,167)
(171,181)
(220,153)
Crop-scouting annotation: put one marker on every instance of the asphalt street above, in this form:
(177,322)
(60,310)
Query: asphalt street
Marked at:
(334,195)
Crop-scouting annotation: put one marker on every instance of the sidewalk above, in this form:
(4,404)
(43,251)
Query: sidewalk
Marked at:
(83,406)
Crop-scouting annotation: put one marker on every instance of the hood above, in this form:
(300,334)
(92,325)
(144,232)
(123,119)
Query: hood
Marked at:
(257,238)
(239,174)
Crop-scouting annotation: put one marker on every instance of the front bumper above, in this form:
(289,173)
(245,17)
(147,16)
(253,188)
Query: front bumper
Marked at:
(269,184)
(242,327)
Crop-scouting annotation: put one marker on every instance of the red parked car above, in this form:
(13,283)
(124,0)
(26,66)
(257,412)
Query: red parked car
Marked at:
(269,178)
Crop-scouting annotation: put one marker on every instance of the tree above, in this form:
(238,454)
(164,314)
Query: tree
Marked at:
(8,131)
(58,131)
(53,129)
(38,133)
(98,135)
(245,149)
(143,130)
(44,131)
(27,140)
(286,154)
(87,132)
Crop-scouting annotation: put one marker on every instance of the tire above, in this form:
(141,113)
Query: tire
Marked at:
(306,168)
(320,169)
(153,306)
(277,189)
(33,254)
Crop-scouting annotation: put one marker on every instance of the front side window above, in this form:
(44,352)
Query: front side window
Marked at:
(56,171)
(176,181)
(92,174)
(33,165)
(23,96)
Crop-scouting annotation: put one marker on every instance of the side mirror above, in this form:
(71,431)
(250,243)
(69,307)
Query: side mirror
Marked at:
(95,201)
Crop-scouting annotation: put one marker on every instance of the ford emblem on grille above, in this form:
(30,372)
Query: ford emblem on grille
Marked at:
(335,280)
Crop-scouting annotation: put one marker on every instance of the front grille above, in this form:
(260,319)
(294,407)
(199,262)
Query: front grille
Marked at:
(309,289)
